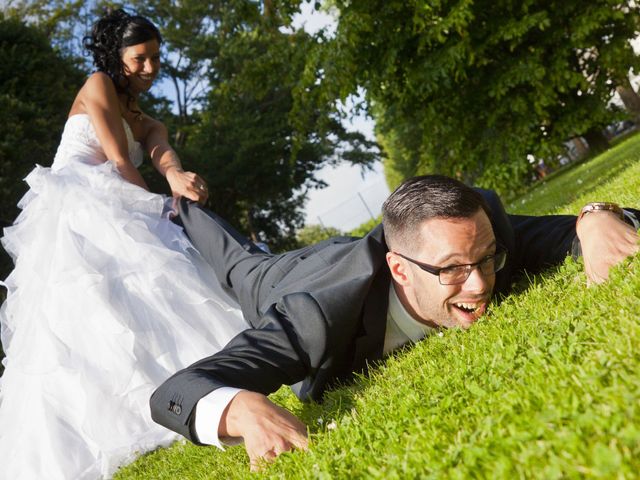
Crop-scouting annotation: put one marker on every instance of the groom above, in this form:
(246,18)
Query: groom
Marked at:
(320,313)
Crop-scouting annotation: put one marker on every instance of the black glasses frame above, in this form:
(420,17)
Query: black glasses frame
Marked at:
(500,258)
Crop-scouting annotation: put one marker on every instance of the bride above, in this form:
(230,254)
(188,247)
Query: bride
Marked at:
(108,298)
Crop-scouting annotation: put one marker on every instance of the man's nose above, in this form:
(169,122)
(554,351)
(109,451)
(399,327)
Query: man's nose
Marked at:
(477,282)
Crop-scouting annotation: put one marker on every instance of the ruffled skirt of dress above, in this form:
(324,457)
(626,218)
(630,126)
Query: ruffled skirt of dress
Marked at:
(106,301)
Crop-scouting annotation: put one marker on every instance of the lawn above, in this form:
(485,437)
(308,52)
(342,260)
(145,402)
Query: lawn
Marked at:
(545,386)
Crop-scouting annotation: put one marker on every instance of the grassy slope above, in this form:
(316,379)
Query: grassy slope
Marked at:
(546,386)
(560,194)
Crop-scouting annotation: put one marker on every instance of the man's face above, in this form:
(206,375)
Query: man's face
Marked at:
(446,242)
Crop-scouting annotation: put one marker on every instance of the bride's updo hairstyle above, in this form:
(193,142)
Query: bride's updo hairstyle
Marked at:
(110,34)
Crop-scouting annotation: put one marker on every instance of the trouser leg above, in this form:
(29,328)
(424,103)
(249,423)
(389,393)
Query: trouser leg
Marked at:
(232,255)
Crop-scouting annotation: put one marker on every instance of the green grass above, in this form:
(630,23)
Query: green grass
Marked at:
(562,190)
(546,386)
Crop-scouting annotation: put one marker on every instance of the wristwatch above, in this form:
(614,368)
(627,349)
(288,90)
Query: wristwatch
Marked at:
(625,215)
(598,206)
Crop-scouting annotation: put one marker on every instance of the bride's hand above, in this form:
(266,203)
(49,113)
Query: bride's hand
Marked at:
(187,184)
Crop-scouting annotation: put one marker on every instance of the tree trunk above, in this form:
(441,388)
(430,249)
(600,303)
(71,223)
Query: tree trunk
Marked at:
(268,9)
(630,99)
(598,143)
(252,232)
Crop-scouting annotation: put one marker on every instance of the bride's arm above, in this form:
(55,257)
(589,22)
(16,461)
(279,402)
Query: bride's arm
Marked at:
(166,161)
(100,101)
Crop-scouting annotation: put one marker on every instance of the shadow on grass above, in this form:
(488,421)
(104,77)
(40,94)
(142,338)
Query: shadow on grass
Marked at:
(336,402)
(526,280)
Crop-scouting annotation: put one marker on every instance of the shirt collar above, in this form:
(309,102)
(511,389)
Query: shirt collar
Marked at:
(413,329)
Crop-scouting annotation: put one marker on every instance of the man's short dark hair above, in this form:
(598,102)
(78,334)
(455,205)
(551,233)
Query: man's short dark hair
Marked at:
(422,198)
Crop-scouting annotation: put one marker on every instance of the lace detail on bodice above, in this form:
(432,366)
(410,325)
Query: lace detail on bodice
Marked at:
(80,143)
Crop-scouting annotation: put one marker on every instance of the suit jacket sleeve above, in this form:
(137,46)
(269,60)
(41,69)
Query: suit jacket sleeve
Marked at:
(541,241)
(533,243)
(546,240)
(277,352)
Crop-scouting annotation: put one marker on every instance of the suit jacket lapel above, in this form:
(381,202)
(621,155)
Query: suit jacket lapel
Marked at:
(370,342)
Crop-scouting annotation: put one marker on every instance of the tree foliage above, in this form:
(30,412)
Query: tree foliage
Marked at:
(189,35)
(235,66)
(312,234)
(469,88)
(257,158)
(244,135)
(37,86)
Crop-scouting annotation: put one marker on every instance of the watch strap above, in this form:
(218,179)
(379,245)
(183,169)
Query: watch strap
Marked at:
(601,206)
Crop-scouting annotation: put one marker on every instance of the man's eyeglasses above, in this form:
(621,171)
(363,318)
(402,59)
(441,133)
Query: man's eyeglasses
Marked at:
(457,274)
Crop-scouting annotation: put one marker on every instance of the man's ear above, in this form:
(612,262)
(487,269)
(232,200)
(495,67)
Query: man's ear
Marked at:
(399,269)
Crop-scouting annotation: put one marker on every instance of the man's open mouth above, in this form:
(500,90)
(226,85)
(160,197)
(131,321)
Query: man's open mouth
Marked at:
(471,310)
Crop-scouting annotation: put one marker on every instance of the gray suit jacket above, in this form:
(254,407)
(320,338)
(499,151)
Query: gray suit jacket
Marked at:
(317,314)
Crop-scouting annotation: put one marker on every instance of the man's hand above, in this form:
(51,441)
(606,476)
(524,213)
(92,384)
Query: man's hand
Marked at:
(606,240)
(267,429)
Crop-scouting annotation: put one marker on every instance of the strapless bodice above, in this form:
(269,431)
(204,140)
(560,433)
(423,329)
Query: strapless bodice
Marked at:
(79,143)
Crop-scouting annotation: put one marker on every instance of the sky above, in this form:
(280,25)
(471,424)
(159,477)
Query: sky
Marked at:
(352,196)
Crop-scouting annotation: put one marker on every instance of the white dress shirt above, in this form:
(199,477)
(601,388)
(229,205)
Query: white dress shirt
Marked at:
(401,328)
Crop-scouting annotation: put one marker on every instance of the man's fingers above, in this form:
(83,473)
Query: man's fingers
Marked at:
(279,444)
(258,462)
(268,430)
(282,447)
(300,440)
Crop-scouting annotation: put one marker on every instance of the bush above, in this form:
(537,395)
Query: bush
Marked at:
(311,234)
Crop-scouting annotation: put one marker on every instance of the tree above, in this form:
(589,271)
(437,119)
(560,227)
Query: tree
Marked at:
(64,22)
(312,234)
(258,159)
(630,99)
(189,31)
(469,88)
(37,86)
(257,149)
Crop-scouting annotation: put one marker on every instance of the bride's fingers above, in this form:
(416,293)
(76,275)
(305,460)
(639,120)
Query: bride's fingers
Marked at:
(199,189)
(198,193)
(191,186)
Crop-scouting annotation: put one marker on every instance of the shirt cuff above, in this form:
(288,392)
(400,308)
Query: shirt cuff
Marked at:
(631,219)
(209,410)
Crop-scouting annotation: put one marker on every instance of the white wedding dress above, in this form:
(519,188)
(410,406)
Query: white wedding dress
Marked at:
(108,298)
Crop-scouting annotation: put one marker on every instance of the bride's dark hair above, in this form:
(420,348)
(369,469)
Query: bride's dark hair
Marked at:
(110,34)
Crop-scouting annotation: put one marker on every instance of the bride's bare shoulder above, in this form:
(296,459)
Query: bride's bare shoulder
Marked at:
(98,88)
(98,82)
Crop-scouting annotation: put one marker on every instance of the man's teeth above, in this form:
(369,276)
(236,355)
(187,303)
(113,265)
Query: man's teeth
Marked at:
(469,307)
